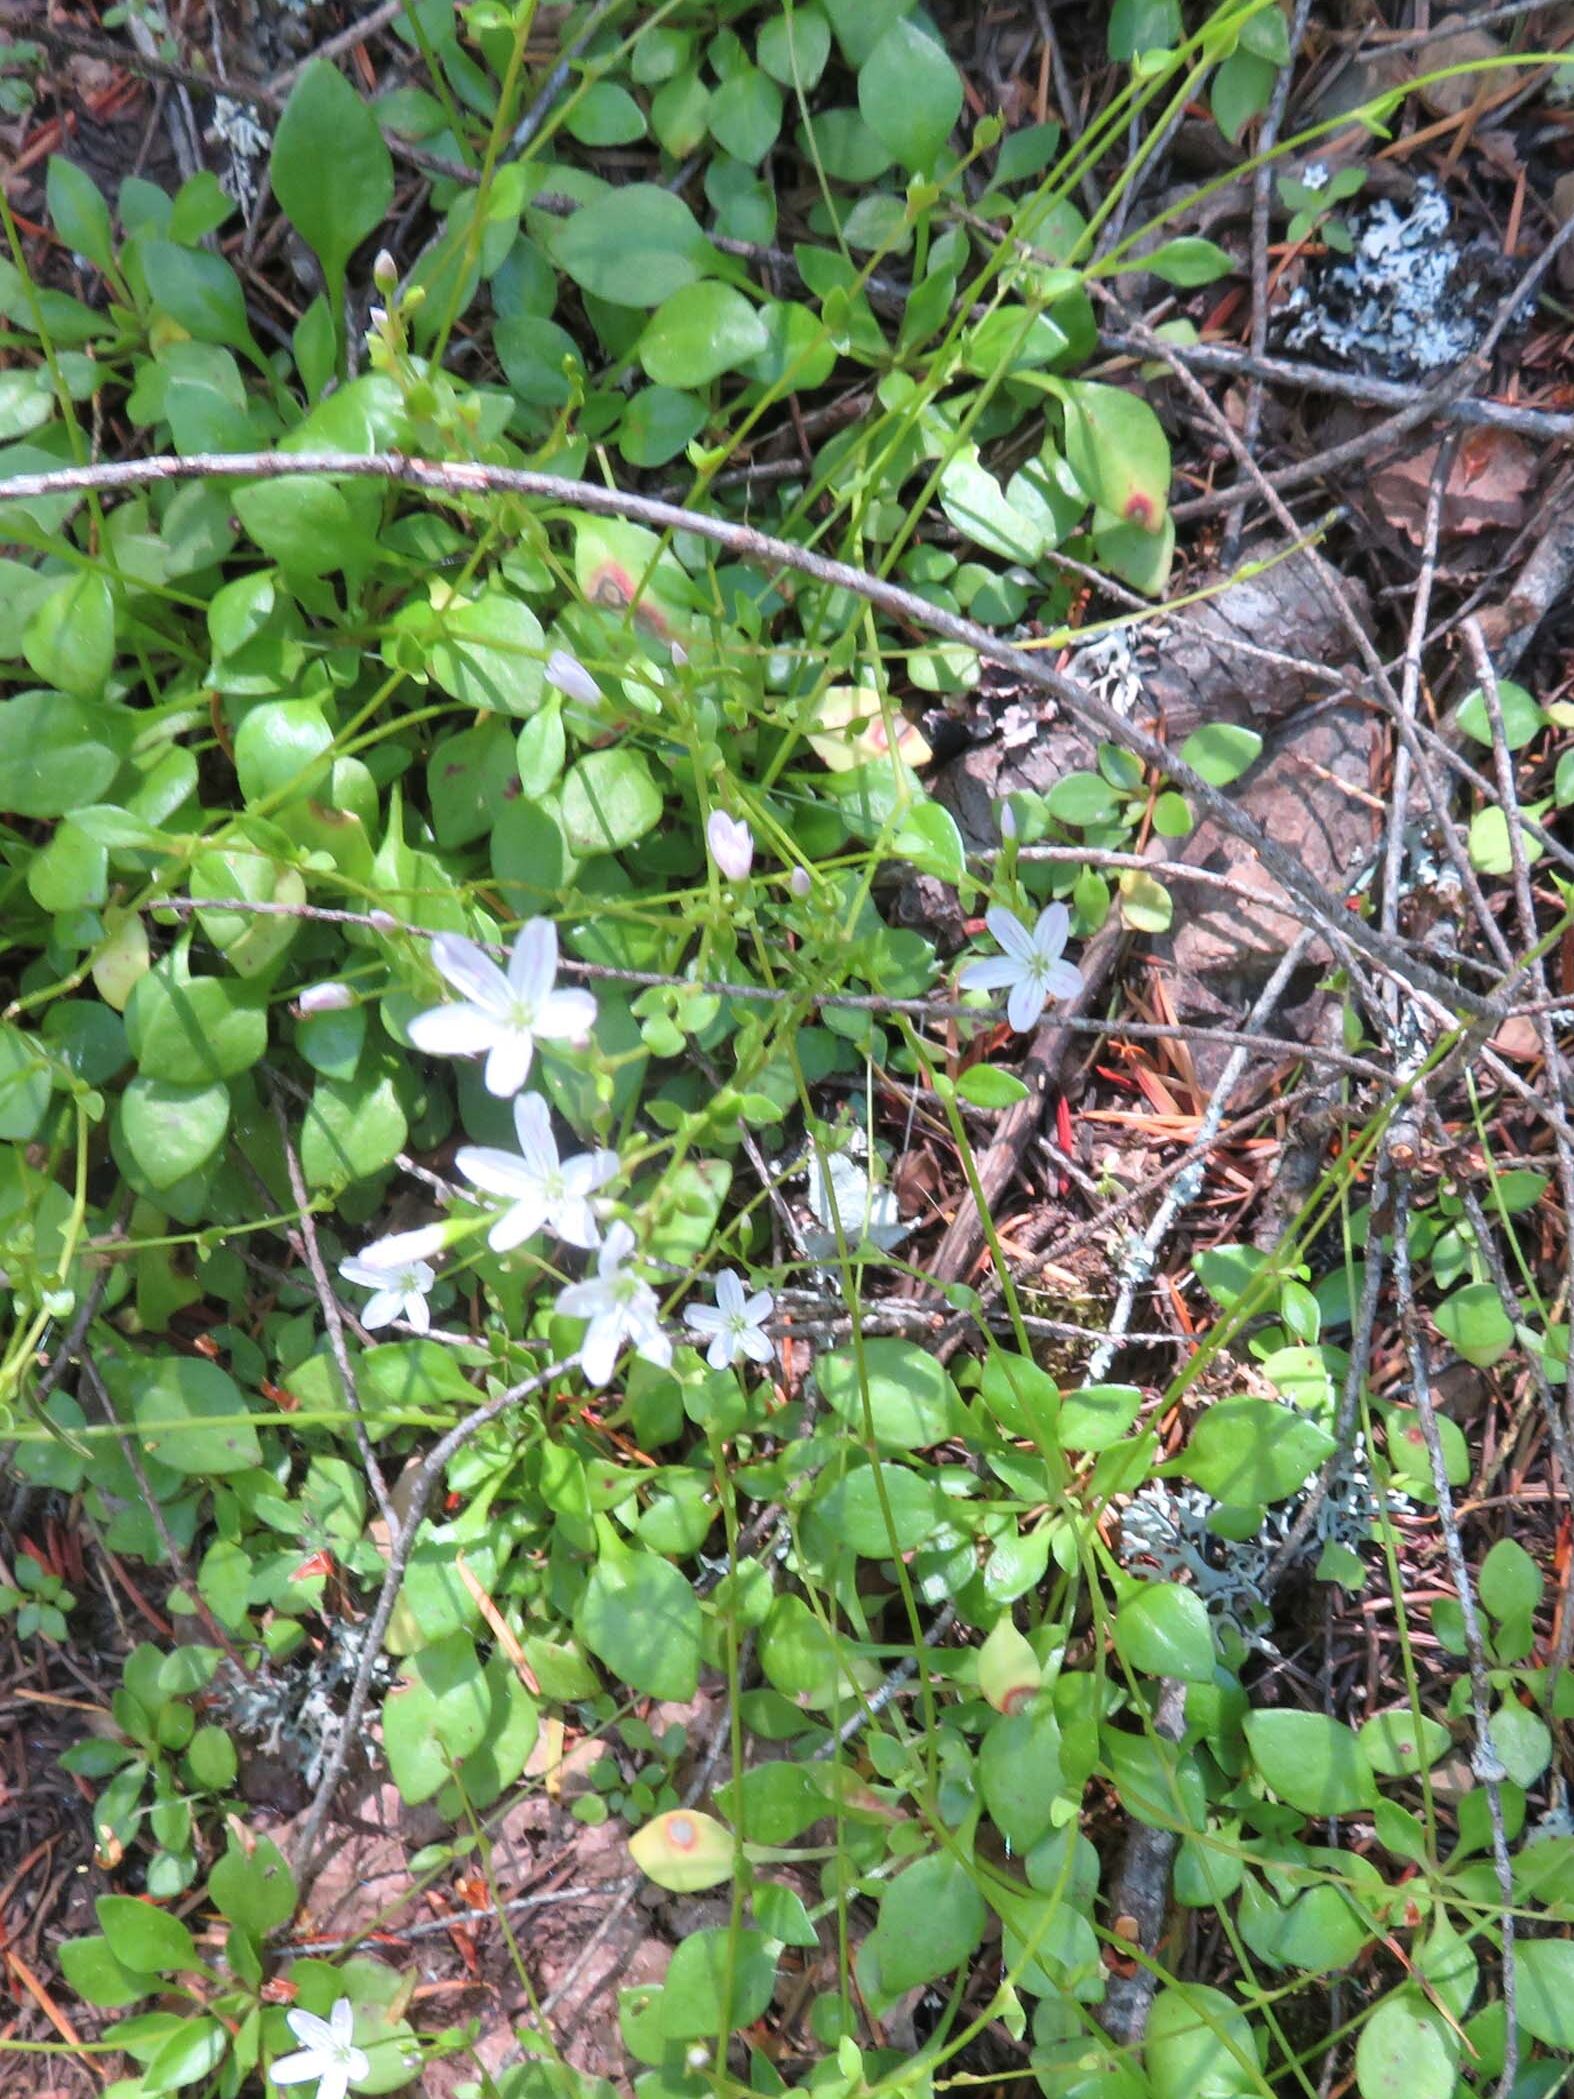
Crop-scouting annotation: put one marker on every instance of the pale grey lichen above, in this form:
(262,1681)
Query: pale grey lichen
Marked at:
(295,1708)
(237,126)
(1165,1535)
(1408,300)
(1111,665)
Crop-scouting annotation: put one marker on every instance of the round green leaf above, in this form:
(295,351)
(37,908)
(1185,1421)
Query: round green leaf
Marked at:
(1162,1629)
(352,1127)
(635,246)
(1474,1320)
(1220,751)
(24,1084)
(639,1615)
(1253,1450)
(1019,1774)
(931,1921)
(191,2051)
(1312,1762)
(1399,1743)
(192,1416)
(792,47)
(718,1980)
(987,1086)
(171,1131)
(910,95)
(605,115)
(1199,2042)
(1188,261)
(745,114)
(1544,1972)
(609,799)
(1509,1582)
(1523,720)
(1092,1417)
(70,639)
(700,332)
(1403,2052)
(658,423)
(147,1940)
(912,1401)
(57,754)
(489,652)
(194,1032)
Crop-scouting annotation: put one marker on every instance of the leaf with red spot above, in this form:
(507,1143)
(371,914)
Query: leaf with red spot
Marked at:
(1118,451)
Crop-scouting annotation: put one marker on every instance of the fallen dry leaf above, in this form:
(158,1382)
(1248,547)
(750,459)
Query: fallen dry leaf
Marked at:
(1488,486)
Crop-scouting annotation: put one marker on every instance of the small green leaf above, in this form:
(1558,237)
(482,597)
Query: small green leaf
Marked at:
(1399,1743)
(331,172)
(931,1921)
(700,332)
(987,1086)
(793,47)
(717,1981)
(1162,1629)
(1019,1774)
(1221,752)
(1405,2051)
(1474,1321)
(912,1401)
(192,1416)
(194,2049)
(352,1128)
(635,246)
(1509,1582)
(1253,1450)
(1523,719)
(1187,262)
(148,1940)
(639,1615)
(1310,1761)
(1092,1417)
(609,799)
(1544,1973)
(1118,451)
(253,1886)
(910,95)
(684,1851)
(171,1131)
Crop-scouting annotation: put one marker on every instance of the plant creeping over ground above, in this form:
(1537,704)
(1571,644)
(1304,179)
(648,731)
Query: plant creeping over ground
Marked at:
(761,1330)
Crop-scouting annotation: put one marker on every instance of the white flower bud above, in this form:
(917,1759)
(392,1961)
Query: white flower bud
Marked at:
(800,882)
(325,998)
(731,845)
(570,676)
(382,921)
(385,272)
(1008,821)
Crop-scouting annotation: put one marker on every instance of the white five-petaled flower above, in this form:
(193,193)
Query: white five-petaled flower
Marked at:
(398,1274)
(620,1307)
(731,845)
(504,1015)
(327,2054)
(1031,966)
(735,1323)
(542,1189)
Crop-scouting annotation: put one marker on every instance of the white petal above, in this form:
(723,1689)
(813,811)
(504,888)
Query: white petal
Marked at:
(729,1292)
(335,2080)
(570,676)
(1049,935)
(381,1308)
(401,1248)
(705,1319)
(758,1307)
(309,2029)
(508,1065)
(992,973)
(499,1173)
(341,2018)
(364,1274)
(587,1171)
(616,1248)
(304,2066)
(575,1222)
(471,971)
(1009,930)
(1024,1005)
(1063,980)
(533,1125)
(520,1222)
(599,1354)
(760,1348)
(453,1031)
(418,1312)
(720,1353)
(566,1016)
(533,963)
(586,1300)
(656,1347)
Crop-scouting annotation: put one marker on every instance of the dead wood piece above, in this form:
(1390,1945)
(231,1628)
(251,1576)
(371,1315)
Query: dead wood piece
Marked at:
(1311,792)
(1140,1896)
